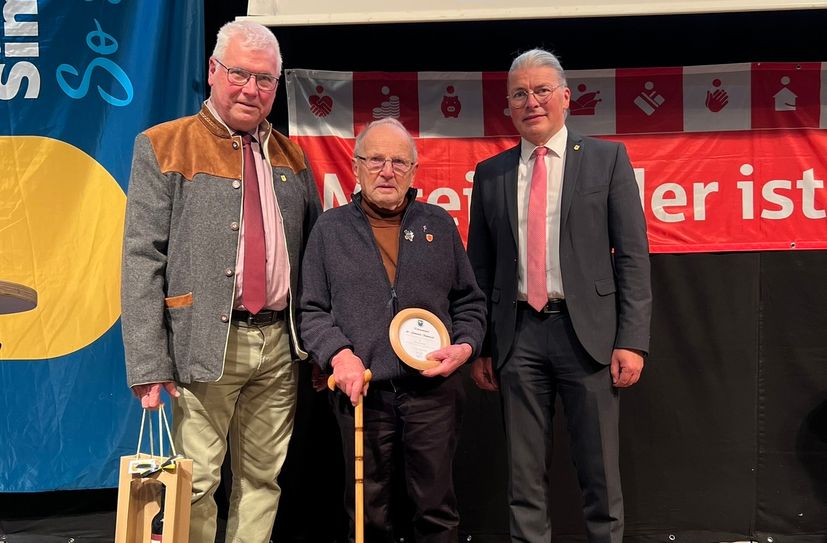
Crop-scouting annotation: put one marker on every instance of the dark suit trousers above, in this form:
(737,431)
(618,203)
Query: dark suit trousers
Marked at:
(412,425)
(548,360)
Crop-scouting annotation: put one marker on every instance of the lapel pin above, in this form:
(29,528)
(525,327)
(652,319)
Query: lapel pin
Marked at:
(283,178)
(409,235)
(576,146)
(429,237)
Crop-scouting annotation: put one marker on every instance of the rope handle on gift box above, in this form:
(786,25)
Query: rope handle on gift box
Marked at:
(162,425)
(150,467)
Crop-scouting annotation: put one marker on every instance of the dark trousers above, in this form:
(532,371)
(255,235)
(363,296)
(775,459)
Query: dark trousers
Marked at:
(548,360)
(411,424)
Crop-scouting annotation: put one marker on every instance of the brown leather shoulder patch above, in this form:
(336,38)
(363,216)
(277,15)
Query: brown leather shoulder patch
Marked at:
(187,146)
(285,153)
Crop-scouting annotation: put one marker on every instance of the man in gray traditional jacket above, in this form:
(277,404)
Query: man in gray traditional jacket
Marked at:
(219,209)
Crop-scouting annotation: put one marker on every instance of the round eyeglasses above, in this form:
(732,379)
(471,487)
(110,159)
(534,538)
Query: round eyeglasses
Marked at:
(375,164)
(519,97)
(240,76)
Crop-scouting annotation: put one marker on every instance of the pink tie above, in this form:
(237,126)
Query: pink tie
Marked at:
(253,293)
(536,234)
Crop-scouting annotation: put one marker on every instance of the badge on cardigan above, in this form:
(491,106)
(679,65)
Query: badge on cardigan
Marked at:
(409,235)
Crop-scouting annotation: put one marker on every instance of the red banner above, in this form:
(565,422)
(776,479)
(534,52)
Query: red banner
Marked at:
(728,158)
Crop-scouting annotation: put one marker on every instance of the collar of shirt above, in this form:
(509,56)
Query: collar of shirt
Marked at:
(556,144)
(257,136)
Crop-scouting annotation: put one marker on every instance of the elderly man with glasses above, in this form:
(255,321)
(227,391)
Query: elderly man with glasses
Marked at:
(557,239)
(365,262)
(219,209)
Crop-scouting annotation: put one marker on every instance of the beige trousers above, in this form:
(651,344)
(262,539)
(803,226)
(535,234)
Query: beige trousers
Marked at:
(254,402)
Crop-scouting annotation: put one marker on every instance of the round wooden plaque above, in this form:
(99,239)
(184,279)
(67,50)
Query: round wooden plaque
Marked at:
(416,332)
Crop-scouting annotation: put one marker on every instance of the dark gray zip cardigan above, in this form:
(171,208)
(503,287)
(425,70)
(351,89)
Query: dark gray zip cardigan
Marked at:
(348,302)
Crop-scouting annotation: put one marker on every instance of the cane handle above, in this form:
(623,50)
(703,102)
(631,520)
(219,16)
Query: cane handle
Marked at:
(331,382)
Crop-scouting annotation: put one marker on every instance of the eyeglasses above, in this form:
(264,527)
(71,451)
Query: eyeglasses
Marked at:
(240,76)
(377,163)
(519,97)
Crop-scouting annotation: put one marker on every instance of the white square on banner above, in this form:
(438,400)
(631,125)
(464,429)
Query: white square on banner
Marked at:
(823,121)
(592,105)
(716,97)
(320,103)
(450,105)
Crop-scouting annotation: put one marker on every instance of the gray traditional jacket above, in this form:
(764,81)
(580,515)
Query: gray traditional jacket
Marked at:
(181,243)
(348,302)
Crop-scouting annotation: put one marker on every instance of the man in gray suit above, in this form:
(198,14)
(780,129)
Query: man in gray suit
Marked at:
(220,208)
(558,243)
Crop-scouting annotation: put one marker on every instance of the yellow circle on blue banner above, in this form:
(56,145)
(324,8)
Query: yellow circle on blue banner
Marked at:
(61,232)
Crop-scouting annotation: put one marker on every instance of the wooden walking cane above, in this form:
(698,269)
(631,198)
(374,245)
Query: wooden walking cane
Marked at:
(359,461)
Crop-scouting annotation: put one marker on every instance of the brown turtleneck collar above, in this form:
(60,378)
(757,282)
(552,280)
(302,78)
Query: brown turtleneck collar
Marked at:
(385,215)
(385,225)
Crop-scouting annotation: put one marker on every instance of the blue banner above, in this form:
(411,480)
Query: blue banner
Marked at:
(79,79)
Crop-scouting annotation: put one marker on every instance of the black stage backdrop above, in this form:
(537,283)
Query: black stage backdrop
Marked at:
(725,437)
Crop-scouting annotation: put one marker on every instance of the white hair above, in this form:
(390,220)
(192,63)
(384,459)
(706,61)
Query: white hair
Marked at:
(251,35)
(539,58)
(357,148)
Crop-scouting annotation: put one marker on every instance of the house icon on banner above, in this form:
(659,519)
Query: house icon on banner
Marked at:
(785,98)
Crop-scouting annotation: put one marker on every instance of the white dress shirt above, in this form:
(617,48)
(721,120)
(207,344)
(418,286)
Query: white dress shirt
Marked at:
(555,160)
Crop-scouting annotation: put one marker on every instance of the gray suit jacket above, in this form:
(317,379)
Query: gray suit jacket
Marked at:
(604,252)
